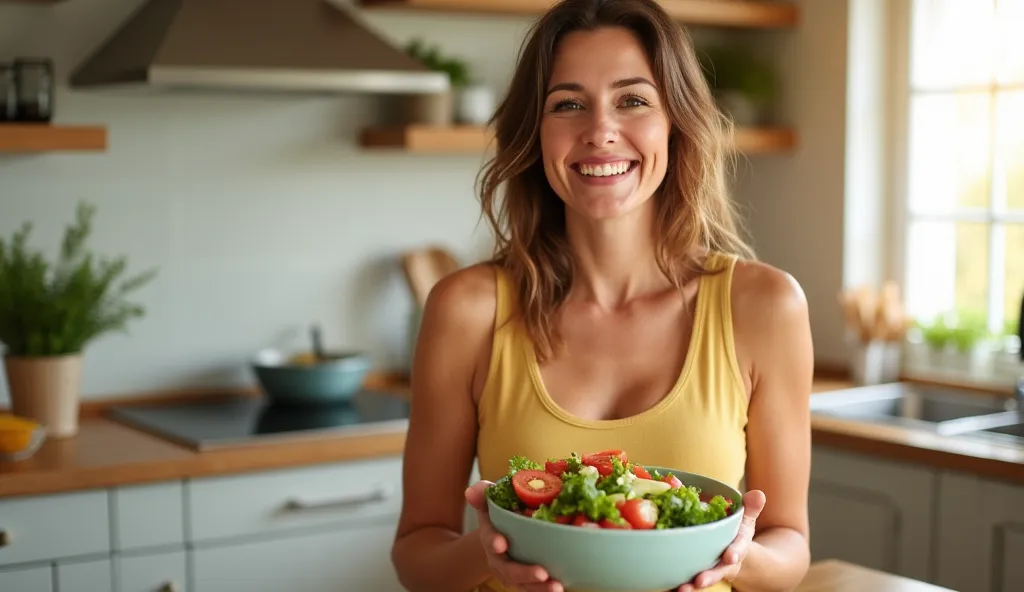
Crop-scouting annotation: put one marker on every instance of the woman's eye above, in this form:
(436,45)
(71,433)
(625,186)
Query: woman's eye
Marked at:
(634,101)
(565,104)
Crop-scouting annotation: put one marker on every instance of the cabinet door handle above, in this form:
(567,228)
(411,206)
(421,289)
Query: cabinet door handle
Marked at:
(378,494)
(5,538)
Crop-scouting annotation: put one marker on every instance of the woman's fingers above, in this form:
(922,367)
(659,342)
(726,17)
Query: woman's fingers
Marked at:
(518,574)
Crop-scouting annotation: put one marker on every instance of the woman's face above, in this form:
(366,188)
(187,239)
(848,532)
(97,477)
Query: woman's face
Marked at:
(604,132)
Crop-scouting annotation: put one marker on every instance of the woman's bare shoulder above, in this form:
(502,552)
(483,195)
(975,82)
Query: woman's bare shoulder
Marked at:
(465,299)
(762,293)
(771,321)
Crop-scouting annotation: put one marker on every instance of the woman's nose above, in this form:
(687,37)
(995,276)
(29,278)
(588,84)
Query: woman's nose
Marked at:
(601,127)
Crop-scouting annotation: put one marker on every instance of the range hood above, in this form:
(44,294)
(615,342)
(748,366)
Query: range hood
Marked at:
(268,45)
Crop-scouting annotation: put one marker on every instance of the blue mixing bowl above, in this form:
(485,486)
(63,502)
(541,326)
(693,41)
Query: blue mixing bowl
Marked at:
(306,380)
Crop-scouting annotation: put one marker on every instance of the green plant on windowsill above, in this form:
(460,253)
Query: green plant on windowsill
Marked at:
(961,331)
(51,311)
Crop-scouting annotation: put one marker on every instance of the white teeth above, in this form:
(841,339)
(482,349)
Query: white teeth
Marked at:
(605,170)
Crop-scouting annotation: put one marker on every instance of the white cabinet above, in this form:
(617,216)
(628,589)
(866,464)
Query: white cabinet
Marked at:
(872,512)
(319,527)
(85,576)
(980,534)
(56,526)
(354,559)
(27,579)
(152,572)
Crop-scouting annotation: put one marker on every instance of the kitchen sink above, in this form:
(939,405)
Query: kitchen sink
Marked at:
(943,410)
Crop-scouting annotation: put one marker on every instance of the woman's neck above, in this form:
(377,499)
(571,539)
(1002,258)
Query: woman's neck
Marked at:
(615,259)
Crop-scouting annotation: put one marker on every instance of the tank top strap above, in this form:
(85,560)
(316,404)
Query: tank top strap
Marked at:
(505,297)
(718,335)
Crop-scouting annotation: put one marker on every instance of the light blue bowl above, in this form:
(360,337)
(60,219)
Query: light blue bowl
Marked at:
(611,560)
(333,380)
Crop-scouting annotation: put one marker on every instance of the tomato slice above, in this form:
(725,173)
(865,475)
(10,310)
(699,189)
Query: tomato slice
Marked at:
(641,472)
(605,455)
(672,480)
(528,512)
(641,514)
(536,487)
(564,519)
(606,523)
(581,520)
(557,467)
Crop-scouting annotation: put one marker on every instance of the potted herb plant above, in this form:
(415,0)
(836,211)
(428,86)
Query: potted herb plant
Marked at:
(468,101)
(743,83)
(50,312)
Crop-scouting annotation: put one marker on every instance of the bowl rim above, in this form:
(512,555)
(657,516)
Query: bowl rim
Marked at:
(664,532)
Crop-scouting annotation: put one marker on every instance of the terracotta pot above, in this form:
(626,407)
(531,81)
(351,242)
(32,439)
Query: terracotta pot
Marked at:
(430,109)
(45,389)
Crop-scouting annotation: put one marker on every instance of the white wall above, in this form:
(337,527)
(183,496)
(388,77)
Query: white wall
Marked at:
(795,202)
(208,187)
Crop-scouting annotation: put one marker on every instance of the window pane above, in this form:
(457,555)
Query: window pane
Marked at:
(1010,47)
(1013,288)
(1010,126)
(949,152)
(947,268)
(952,42)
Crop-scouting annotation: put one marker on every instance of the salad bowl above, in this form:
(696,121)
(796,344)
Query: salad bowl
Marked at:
(679,531)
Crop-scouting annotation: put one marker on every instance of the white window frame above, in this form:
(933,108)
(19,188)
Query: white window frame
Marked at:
(1006,366)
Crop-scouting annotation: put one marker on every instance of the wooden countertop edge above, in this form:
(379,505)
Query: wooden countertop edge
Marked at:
(107,453)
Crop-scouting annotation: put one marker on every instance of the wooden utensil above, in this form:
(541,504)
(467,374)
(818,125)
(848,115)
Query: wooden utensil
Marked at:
(425,267)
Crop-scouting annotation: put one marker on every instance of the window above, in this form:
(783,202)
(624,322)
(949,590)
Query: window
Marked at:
(964,200)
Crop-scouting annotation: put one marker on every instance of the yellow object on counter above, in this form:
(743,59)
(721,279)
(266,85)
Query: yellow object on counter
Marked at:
(15,433)
(303,359)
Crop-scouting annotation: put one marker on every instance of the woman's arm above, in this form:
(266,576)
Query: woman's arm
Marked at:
(773,343)
(453,347)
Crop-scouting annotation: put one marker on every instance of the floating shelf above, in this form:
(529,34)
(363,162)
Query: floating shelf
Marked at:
(425,139)
(715,13)
(29,137)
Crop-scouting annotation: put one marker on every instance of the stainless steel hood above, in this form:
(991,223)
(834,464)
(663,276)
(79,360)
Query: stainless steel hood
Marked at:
(277,45)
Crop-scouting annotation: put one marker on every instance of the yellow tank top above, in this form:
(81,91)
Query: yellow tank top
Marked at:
(699,426)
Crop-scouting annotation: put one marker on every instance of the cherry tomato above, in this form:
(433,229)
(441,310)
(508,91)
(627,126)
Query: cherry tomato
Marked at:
(641,472)
(581,520)
(564,519)
(606,523)
(536,487)
(556,467)
(672,480)
(528,512)
(605,455)
(641,514)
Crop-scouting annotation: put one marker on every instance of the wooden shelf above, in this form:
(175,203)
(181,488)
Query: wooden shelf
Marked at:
(30,137)
(423,139)
(715,13)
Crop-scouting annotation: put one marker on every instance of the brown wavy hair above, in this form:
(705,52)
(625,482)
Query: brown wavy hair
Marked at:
(693,207)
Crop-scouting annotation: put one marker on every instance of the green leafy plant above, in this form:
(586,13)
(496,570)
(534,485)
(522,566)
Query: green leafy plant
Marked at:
(431,57)
(57,309)
(961,331)
(736,68)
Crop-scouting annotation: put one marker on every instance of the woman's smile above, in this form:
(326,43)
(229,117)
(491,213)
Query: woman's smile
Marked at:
(604,171)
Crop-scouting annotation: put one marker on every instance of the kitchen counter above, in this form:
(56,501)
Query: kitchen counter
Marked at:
(839,576)
(106,453)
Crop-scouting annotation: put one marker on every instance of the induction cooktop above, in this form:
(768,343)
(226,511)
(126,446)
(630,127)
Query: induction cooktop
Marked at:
(245,420)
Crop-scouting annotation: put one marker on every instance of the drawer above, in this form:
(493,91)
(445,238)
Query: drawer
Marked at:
(27,579)
(157,572)
(88,576)
(148,515)
(54,526)
(268,502)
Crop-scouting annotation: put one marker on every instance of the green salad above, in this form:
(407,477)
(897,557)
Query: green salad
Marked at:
(604,490)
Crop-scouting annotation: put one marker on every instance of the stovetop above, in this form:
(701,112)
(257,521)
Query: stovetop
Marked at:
(245,421)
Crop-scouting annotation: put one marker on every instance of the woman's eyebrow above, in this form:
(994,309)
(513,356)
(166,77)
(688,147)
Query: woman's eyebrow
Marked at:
(577,87)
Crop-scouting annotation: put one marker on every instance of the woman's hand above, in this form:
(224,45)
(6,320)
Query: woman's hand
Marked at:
(732,559)
(529,578)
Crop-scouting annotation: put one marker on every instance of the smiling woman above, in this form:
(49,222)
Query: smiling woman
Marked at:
(621,310)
